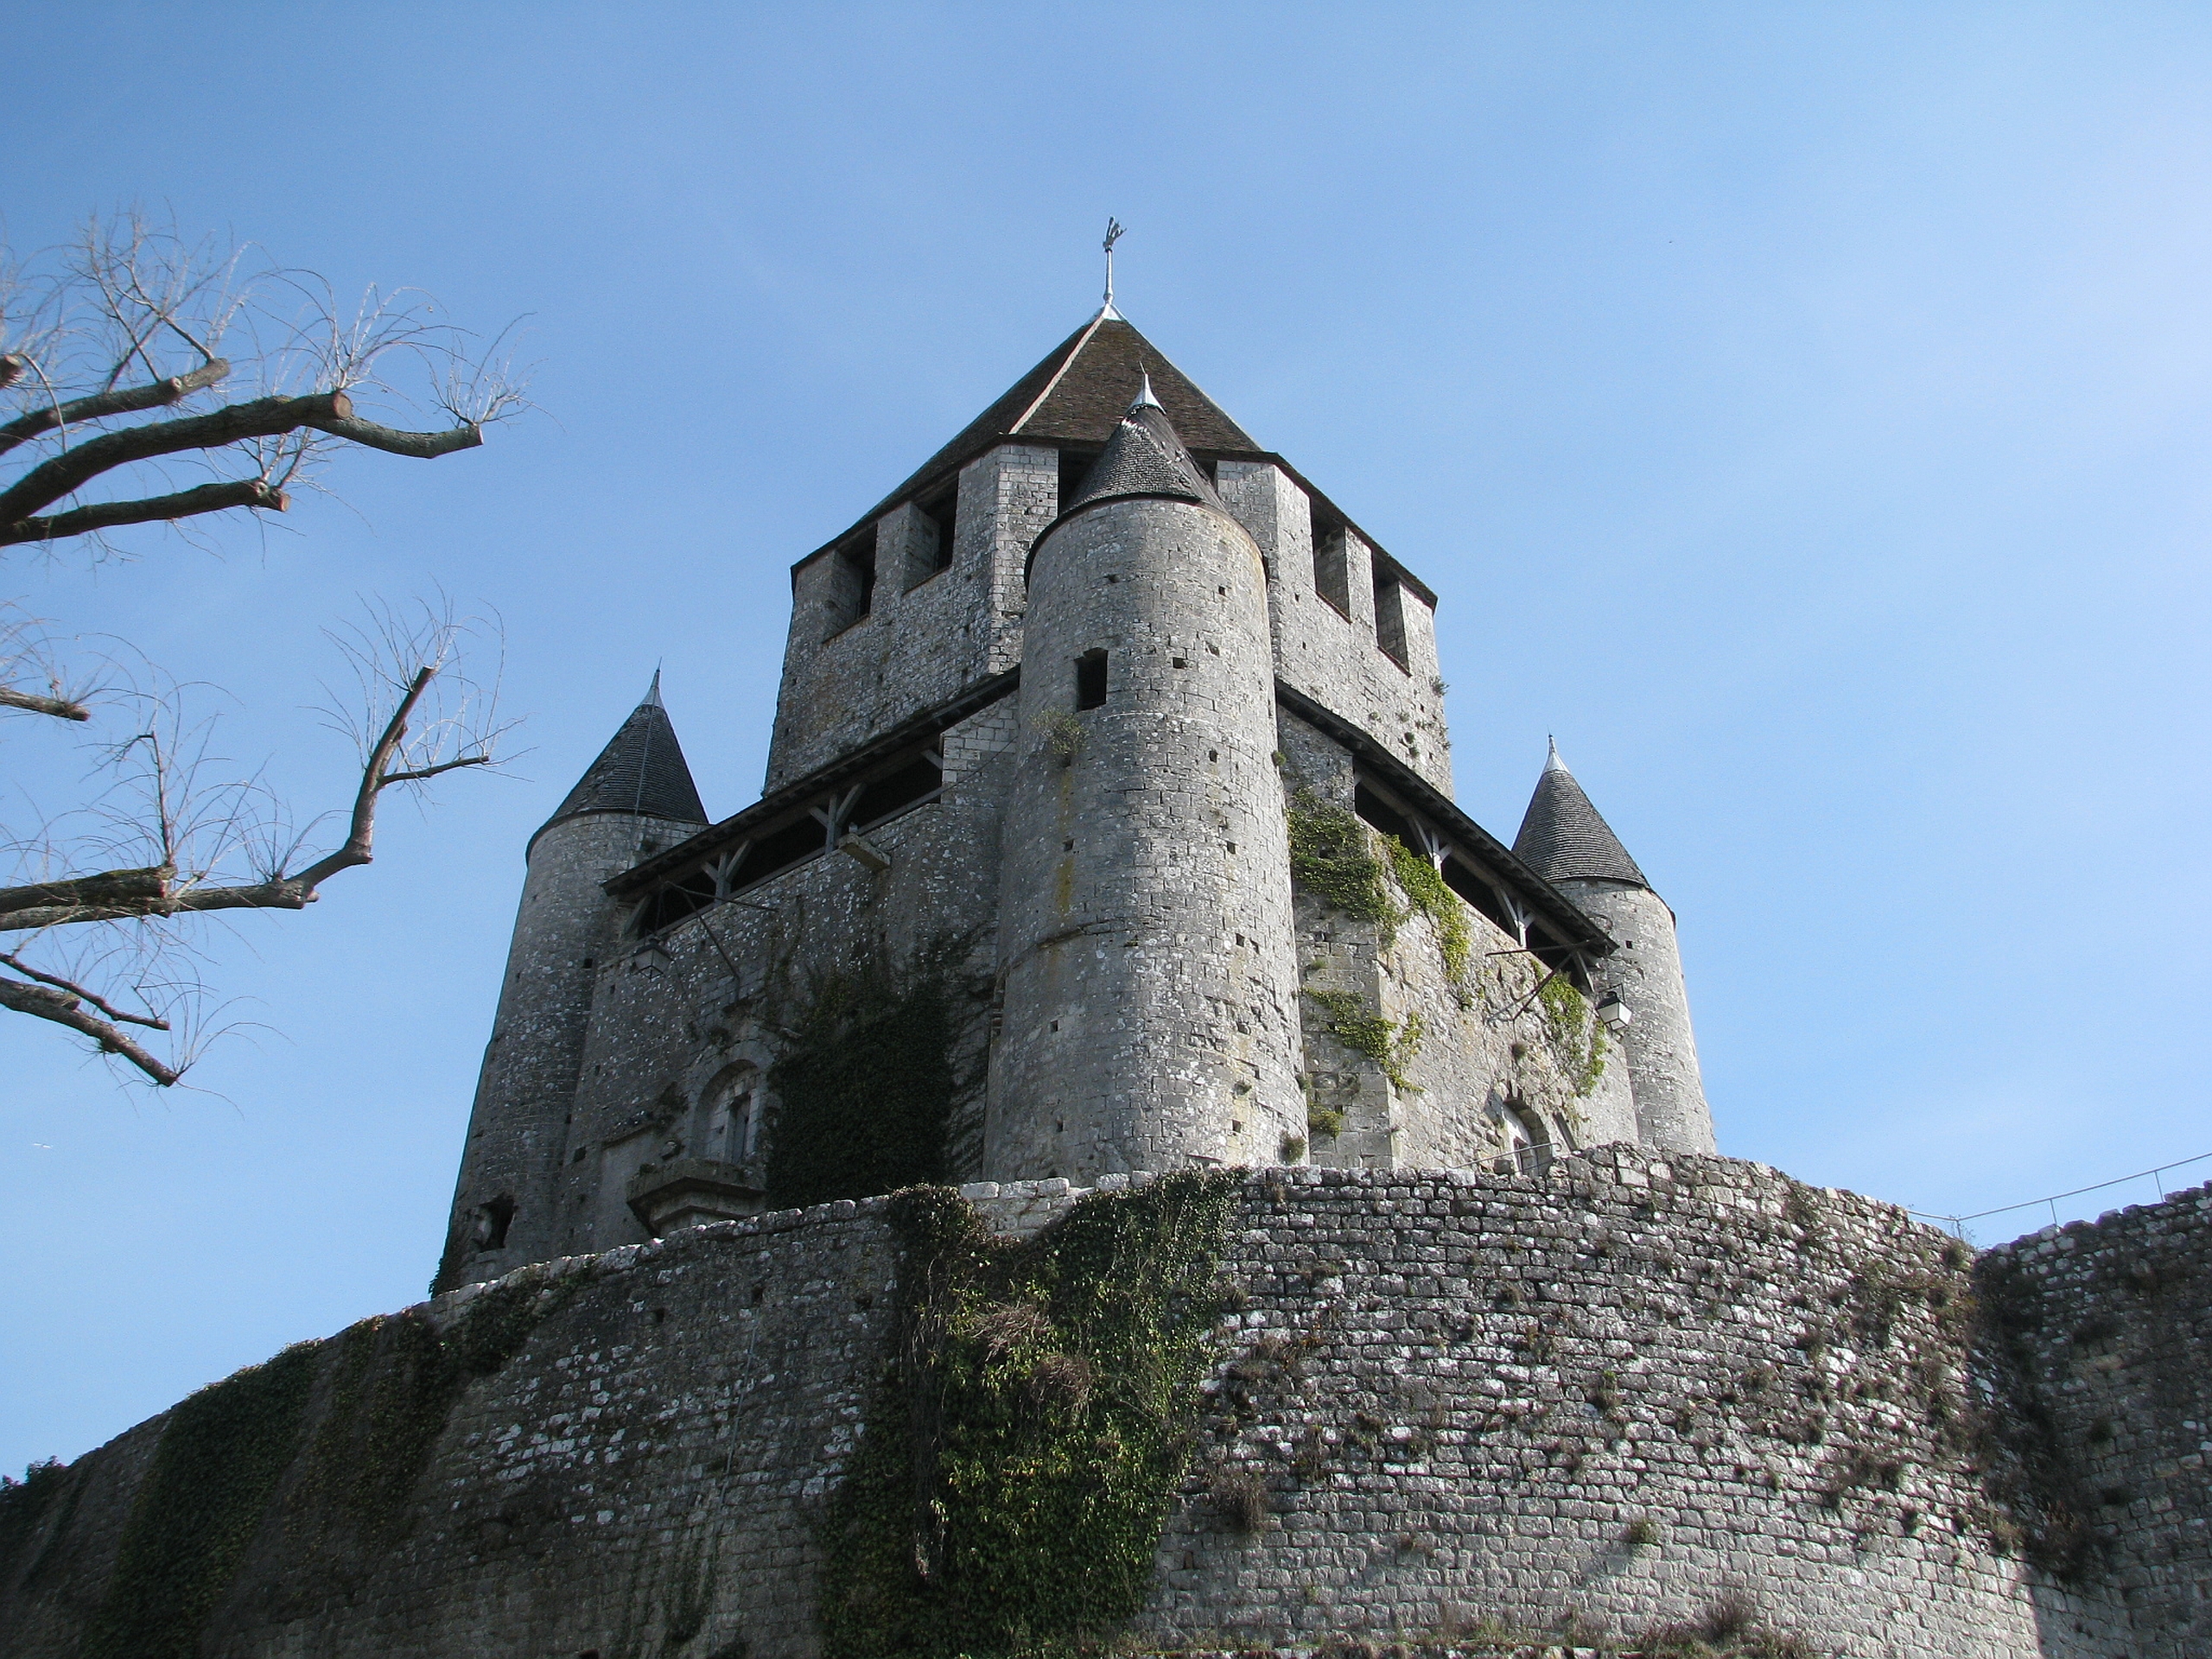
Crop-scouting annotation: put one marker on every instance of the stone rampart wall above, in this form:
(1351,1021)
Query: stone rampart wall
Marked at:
(2108,1330)
(1619,1395)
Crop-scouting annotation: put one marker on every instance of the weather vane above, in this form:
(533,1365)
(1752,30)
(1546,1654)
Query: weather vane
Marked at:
(1113,235)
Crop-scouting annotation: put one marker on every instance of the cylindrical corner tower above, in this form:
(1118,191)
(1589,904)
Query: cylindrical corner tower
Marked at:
(1565,841)
(1149,1019)
(638,795)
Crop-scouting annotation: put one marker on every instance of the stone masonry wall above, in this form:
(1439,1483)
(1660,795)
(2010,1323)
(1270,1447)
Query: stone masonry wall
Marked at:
(919,646)
(1331,655)
(2110,1333)
(1622,1391)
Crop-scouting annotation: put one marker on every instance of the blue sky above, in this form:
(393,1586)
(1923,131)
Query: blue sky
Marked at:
(1802,411)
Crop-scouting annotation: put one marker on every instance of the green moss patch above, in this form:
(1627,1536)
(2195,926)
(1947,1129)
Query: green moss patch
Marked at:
(864,1086)
(1026,1440)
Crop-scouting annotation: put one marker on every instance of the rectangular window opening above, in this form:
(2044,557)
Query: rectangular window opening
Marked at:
(1075,467)
(1390,617)
(939,517)
(1090,679)
(852,588)
(1331,568)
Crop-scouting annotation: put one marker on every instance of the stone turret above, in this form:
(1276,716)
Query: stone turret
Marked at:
(1565,841)
(1146,934)
(636,797)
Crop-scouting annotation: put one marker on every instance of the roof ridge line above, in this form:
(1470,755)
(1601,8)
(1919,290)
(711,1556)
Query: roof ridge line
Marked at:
(1066,363)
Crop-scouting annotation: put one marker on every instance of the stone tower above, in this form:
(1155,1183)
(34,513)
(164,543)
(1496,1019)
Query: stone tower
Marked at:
(1146,937)
(635,798)
(1565,841)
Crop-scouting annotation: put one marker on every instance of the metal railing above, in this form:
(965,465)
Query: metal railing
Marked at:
(1957,1223)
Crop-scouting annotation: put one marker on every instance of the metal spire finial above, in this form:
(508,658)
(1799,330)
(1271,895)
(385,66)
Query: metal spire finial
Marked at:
(1144,390)
(1553,762)
(653,691)
(1113,235)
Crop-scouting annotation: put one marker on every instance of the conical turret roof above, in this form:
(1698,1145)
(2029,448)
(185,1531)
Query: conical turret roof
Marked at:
(641,771)
(1563,836)
(1144,456)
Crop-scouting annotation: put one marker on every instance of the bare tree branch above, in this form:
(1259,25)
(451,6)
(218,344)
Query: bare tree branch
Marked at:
(101,1003)
(103,405)
(65,1009)
(118,354)
(30,702)
(109,889)
(185,504)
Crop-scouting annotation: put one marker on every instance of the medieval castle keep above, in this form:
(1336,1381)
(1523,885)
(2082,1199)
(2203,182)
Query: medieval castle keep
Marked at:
(1340,1255)
(1099,692)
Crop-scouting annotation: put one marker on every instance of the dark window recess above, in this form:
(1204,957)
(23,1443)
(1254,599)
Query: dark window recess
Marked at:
(1390,616)
(852,582)
(940,513)
(1075,467)
(1211,470)
(679,899)
(1090,679)
(1548,949)
(1478,893)
(492,1220)
(894,792)
(1384,817)
(779,850)
(1332,573)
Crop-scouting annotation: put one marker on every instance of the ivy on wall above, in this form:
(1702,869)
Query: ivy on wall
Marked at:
(222,1455)
(1391,1044)
(1331,858)
(1577,1039)
(226,1451)
(23,1504)
(1024,1445)
(1426,891)
(863,1089)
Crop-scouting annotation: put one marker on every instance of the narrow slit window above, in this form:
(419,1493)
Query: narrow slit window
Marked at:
(938,518)
(1332,567)
(852,593)
(1390,617)
(1090,679)
(1075,467)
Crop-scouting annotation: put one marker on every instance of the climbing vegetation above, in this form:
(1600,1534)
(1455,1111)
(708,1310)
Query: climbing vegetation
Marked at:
(1426,891)
(221,1454)
(864,1086)
(1390,1045)
(1577,1039)
(1331,858)
(23,1504)
(1024,1445)
(224,1452)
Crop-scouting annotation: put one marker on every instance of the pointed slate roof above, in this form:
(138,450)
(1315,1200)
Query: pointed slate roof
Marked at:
(1563,836)
(1145,456)
(641,771)
(1076,394)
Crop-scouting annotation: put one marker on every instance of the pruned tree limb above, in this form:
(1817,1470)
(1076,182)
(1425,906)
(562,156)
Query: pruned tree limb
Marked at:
(109,888)
(424,446)
(155,395)
(68,1009)
(263,418)
(31,702)
(185,504)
